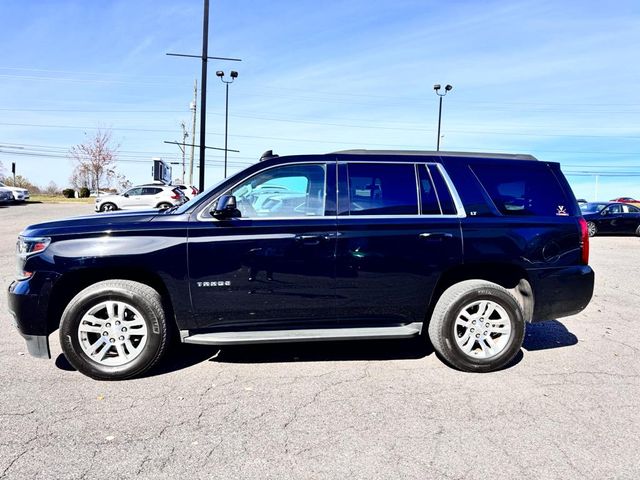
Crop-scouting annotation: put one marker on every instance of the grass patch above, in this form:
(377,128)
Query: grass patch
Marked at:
(59,199)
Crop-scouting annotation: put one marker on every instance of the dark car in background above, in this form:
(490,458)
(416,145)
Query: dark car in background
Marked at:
(610,217)
(463,249)
(6,196)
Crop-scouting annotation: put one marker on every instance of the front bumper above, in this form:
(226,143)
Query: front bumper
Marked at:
(560,292)
(29,312)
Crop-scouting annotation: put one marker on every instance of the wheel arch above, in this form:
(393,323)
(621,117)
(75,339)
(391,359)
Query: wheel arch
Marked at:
(70,284)
(509,276)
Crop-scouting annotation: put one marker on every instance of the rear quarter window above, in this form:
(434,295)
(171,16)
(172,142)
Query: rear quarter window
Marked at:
(524,189)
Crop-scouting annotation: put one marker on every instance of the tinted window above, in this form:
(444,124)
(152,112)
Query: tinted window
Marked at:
(613,209)
(287,191)
(382,189)
(444,195)
(524,189)
(592,207)
(629,209)
(135,191)
(428,199)
(151,191)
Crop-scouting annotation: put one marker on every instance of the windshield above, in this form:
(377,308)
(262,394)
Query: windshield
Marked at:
(592,207)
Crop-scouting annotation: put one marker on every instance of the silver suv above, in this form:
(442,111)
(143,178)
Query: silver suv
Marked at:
(141,197)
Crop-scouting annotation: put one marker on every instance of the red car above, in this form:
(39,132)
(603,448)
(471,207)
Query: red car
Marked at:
(625,200)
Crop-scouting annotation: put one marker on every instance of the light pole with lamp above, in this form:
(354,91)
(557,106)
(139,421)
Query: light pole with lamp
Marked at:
(447,88)
(233,76)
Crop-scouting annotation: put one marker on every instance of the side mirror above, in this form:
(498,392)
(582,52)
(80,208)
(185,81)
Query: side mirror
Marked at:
(604,212)
(126,195)
(225,207)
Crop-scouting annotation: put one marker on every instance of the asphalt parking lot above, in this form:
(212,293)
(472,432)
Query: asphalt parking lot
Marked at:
(568,408)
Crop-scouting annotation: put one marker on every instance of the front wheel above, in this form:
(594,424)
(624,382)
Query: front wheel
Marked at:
(592,229)
(638,231)
(114,329)
(164,205)
(108,207)
(477,326)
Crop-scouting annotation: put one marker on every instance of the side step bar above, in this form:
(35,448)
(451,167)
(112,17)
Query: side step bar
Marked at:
(315,335)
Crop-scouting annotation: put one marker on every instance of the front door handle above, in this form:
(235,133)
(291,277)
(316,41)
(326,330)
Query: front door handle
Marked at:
(309,239)
(435,235)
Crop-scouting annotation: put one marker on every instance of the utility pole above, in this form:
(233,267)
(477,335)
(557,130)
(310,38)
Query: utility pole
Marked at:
(184,139)
(203,85)
(203,94)
(193,128)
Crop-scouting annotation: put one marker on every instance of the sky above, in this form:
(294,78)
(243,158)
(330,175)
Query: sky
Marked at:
(556,79)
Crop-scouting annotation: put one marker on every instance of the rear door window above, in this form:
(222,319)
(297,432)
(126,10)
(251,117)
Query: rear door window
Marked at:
(382,189)
(429,204)
(522,189)
(444,195)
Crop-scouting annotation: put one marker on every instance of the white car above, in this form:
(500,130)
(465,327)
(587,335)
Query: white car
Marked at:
(141,197)
(19,194)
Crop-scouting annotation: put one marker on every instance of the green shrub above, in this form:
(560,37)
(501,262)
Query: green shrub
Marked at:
(69,193)
(84,192)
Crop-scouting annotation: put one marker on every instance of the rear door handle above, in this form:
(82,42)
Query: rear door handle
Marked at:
(435,235)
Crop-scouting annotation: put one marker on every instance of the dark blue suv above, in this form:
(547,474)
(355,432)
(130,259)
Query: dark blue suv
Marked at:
(358,244)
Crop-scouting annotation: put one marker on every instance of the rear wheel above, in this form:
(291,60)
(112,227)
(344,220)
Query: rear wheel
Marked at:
(592,228)
(477,326)
(638,231)
(108,207)
(113,330)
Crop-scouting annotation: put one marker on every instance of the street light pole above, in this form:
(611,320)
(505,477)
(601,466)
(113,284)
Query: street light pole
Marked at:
(447,88)
(226,127)
(233,76)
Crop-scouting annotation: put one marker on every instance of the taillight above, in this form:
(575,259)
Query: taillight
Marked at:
(177,195)
(194,192)
(584,240)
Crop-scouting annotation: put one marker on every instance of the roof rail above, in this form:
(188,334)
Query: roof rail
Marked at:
(510,156)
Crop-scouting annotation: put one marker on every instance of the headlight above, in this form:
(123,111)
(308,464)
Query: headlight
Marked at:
(31,245)
(26,247)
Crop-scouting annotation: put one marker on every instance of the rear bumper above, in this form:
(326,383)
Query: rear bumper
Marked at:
(560,292)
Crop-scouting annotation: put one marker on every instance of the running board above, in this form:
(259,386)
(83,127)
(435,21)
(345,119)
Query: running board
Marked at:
(306,335)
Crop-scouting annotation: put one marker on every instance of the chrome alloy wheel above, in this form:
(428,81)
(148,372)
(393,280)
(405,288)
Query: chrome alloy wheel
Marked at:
(482,329)
(112,333)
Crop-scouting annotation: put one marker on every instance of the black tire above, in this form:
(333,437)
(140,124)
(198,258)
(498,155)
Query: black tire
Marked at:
(144,299)
(442,328)
(638,231)
(592,228)
(108,207)
(164,205)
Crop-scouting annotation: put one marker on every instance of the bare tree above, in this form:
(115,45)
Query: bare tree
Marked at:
(51,189)
(94,161)
(122,182)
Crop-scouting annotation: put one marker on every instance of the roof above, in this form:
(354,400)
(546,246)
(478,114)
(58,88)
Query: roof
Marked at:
(431,153)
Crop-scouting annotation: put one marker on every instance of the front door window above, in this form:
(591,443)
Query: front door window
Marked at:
(283,192)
